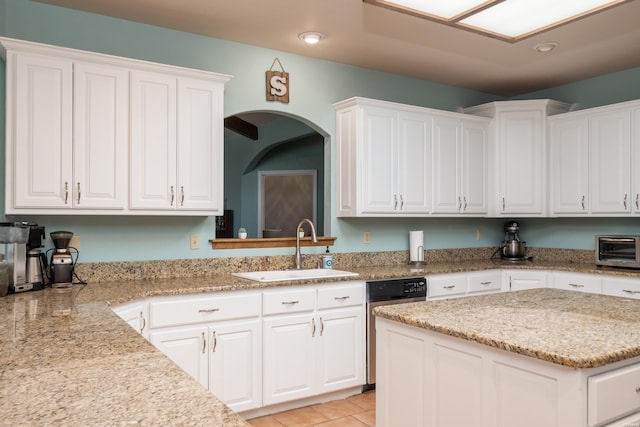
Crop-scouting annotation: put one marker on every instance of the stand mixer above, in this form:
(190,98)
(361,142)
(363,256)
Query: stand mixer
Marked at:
(513,249)
(61,266)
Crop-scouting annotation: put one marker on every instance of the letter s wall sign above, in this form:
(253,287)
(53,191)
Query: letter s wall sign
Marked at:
(277,84)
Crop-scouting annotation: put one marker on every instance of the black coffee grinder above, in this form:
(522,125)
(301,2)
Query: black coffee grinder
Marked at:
(61,266)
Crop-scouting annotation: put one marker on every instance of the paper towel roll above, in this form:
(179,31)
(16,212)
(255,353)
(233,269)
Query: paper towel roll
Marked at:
(416,245)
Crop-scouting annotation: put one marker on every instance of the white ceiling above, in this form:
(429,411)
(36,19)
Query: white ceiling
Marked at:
(373,37)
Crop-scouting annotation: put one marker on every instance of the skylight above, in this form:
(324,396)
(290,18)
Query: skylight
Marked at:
(510,20)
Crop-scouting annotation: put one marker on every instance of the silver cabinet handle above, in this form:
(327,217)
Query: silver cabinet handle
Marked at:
(576,285)
(459,203)
(401,202)
(181,195)
(144,322)
(582,202)
(637,201)
(486,283)
(503,204)
(215,341)
(321,327)
(208,310)
(629,291)
(66,192)
(204,343)
(290,302)
(78,198)
(464,204)
(173,196)
(450,286)
(637,389)
(395,202)
(313,331)
(341,298)
(624,201)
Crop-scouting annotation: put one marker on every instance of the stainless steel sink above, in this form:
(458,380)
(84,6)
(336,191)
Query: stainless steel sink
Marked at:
(284,275)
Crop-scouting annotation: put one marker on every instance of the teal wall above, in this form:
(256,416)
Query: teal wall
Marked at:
(315,85)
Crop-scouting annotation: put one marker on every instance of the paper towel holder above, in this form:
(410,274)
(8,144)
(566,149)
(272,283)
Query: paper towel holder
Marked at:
(421,255)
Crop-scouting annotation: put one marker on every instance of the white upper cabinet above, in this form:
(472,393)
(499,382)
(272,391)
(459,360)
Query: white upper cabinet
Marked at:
(519,138)
(459,165)
(384,163)
(176,137)
(592,163)
(39,117)
(69,125)
(635,149)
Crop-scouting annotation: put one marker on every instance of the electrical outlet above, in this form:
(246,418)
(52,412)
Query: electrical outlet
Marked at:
(479,234)
(75,242)
(366,237)
(195,241)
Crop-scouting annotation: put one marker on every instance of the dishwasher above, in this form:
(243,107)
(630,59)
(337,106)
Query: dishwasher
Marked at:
(386,292)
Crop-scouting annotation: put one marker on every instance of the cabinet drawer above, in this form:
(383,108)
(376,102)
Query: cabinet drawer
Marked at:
(198,309)
(628,288)
(291,300)
(578,282)
(485,281)
(613,395)
(340,295)
(447,285)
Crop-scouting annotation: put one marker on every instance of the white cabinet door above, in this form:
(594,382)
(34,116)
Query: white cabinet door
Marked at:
(153,141)
(635,149)
(101,136)
(446,165)
(569,165)
(187,347)
(621,287)
(341,347)
(519,280)
(200,154)
(135,314)
(39,132)
(289,357)
(610,145)
(414,163)
(235,374)
(378,151)
(474,167)
(521,162)
(459,165)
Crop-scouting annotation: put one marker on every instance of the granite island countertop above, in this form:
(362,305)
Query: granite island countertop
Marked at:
(67,359)
(569,328)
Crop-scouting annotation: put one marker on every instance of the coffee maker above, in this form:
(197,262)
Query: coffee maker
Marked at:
(13,259)
(36,258)
(61,265)
(513,249)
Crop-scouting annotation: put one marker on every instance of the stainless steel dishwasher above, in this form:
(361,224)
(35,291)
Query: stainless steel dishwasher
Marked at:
(386,292)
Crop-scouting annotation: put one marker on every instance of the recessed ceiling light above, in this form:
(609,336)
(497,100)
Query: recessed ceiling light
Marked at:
(509,20)
(311,37)
(545,47)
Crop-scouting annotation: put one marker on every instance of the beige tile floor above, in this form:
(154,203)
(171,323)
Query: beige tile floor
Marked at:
(355,411)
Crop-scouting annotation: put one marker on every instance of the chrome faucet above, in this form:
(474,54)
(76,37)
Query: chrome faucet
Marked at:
(314,239)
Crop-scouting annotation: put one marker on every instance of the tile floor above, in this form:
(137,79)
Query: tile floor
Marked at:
(354,411)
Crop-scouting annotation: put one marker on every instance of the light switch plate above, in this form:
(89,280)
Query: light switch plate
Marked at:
(194,241)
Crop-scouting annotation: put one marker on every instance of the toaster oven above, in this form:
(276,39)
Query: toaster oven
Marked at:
(618,251)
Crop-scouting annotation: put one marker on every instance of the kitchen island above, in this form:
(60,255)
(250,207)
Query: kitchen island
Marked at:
(542,357)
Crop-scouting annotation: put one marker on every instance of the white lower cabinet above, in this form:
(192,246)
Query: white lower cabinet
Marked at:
(518,280)
(443,286)
(135,314)
(254,349)
(313,342)
(220,346)
(577,282)
(621,287)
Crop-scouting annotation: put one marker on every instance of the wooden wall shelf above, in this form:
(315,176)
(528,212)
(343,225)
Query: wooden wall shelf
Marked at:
(275,242)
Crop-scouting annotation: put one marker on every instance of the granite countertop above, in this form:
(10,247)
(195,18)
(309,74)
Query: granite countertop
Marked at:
(574,329)
(67,359)
(68,363)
